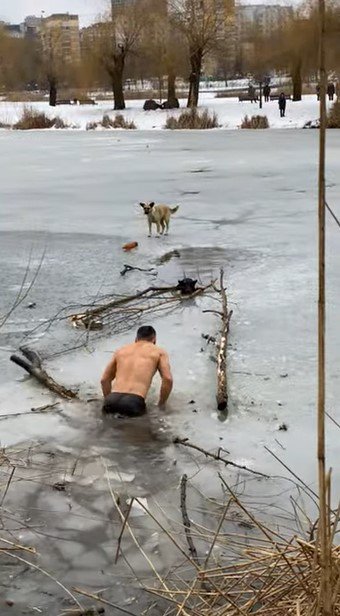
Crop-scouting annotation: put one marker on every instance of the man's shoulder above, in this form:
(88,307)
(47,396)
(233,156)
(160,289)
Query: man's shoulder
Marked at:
(123,349)
(161,352)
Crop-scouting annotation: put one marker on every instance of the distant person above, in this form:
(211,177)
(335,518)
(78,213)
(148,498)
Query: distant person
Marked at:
(128,377)
(266,92)
(318,92)
(282,104)
(252,93)
(331,91)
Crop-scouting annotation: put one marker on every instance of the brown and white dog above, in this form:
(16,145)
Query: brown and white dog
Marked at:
(158,215)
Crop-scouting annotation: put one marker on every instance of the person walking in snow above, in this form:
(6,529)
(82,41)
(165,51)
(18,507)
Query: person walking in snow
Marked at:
(331,91)
(252,93)
(282,104)
(318,91)
(266,92)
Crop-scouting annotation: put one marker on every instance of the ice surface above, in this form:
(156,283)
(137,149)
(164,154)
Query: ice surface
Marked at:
(247,202)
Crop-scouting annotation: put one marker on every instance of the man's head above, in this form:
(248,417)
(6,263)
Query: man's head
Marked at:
(146,333)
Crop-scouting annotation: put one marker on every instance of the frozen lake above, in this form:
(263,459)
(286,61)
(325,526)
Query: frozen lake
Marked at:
(247,203)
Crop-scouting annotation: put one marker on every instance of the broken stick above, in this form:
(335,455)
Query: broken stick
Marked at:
(132,268)
(186,520)
(217,457)
(32,365)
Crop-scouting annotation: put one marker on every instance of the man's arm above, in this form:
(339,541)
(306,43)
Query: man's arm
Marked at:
(166,376)
(108,376)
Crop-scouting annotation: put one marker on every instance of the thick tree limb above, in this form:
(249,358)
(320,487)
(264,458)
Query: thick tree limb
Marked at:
(218,457)
(186,520)
(222,385)
(32,365)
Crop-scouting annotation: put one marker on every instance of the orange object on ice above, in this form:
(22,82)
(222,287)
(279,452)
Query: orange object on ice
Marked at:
(130,246)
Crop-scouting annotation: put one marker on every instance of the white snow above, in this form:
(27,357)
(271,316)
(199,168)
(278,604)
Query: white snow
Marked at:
(230,112)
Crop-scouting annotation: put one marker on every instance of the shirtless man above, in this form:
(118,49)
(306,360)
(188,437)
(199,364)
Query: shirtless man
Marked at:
(128,377)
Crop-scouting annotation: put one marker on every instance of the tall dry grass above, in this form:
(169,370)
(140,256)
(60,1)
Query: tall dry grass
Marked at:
(192,120)
(255,121)
(32,119)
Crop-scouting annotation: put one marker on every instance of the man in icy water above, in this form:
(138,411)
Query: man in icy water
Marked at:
(128,377)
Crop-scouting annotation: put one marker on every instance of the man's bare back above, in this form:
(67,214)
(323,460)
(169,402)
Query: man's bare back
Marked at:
(132,368)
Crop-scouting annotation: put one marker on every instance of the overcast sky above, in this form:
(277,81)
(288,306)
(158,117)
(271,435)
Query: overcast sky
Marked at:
(15,11)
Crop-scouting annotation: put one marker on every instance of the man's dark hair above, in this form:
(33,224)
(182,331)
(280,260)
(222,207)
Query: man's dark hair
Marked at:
(146,332)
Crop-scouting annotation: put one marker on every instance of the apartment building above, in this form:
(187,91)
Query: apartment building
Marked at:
(60,36)
(261,19)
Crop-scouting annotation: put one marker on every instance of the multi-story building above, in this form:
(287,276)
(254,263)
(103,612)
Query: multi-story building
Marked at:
(222,61)
(28,29)
(260,19)
(155,5)
(90,35)
(14,30)
(32,26)
(117,4)
(60,37)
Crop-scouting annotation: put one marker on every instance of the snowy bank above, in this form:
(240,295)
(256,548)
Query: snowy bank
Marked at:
(230,112)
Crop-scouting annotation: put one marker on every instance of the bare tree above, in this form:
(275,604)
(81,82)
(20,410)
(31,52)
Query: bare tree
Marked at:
(292,48)
(200,22)
(18,61)
(60,51)
(52,60)
(117,38)
(163,51)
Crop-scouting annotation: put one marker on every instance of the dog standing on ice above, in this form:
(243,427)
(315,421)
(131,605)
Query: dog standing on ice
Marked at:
(158,215)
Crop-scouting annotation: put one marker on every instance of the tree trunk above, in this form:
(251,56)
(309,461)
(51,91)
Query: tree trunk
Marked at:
(297,81)
(171,86)
(117,81)
(53,92)
(195,76)
(160,88)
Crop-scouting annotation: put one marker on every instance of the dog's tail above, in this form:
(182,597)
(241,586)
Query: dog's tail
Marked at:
(173,210)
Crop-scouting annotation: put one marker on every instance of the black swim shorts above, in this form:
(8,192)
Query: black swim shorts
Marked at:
(128,405)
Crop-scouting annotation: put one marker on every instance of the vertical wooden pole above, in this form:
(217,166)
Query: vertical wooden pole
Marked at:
(324,599)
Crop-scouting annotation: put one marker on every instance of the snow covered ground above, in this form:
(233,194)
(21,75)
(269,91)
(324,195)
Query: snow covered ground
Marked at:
(230,112)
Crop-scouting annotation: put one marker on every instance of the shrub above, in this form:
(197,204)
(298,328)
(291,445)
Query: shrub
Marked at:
(59,123)
(118,122)
(33,119)
(192,119)
(91,126)
(333,119)
(257,121)
(5,125)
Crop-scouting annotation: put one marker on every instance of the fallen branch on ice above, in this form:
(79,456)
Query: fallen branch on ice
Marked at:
(217,457)
(129,307)
(32,365)
(186,520)
(133,268)
(222,383)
